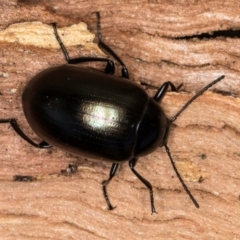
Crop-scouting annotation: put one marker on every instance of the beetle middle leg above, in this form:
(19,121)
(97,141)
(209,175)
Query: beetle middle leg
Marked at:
(18,130)
(132,164)
(106,182)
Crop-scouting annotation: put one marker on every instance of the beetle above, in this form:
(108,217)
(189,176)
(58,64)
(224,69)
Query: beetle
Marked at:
(96,114)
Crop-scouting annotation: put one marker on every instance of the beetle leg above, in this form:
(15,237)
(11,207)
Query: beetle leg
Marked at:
(106,182)
(18,130)
(110,68)
(105,47)
(163,89)
(132,164)
(64,50)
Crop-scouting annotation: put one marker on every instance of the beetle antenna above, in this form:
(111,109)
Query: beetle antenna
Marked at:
(180,178)
(196,96)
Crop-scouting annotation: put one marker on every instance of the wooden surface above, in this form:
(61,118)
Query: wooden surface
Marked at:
(156,41)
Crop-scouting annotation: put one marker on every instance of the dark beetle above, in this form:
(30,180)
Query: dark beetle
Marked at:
(84,111)
(98,115)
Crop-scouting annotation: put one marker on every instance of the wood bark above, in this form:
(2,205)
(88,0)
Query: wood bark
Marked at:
(187,42)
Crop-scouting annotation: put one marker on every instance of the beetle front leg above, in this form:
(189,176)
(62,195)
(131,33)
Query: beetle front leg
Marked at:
(106,182)
(18,130)
(132,164)
(163,89)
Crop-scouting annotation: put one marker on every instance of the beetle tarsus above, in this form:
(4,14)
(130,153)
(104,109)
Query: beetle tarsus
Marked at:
(152,203)
(106,48)
(64,50)
(110,207)
(18,130)
(106,182)
(132,164)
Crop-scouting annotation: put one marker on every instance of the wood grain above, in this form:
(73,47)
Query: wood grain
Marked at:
(158,42)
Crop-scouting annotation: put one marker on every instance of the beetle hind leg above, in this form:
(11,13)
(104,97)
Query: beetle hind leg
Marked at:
(106,182)
(109,69)
(18,130)
(132,164)
(105,47)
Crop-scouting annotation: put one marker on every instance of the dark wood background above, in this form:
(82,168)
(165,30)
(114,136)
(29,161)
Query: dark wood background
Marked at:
(189,42)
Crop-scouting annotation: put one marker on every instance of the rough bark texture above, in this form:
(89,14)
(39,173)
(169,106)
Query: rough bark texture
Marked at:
(158,41)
